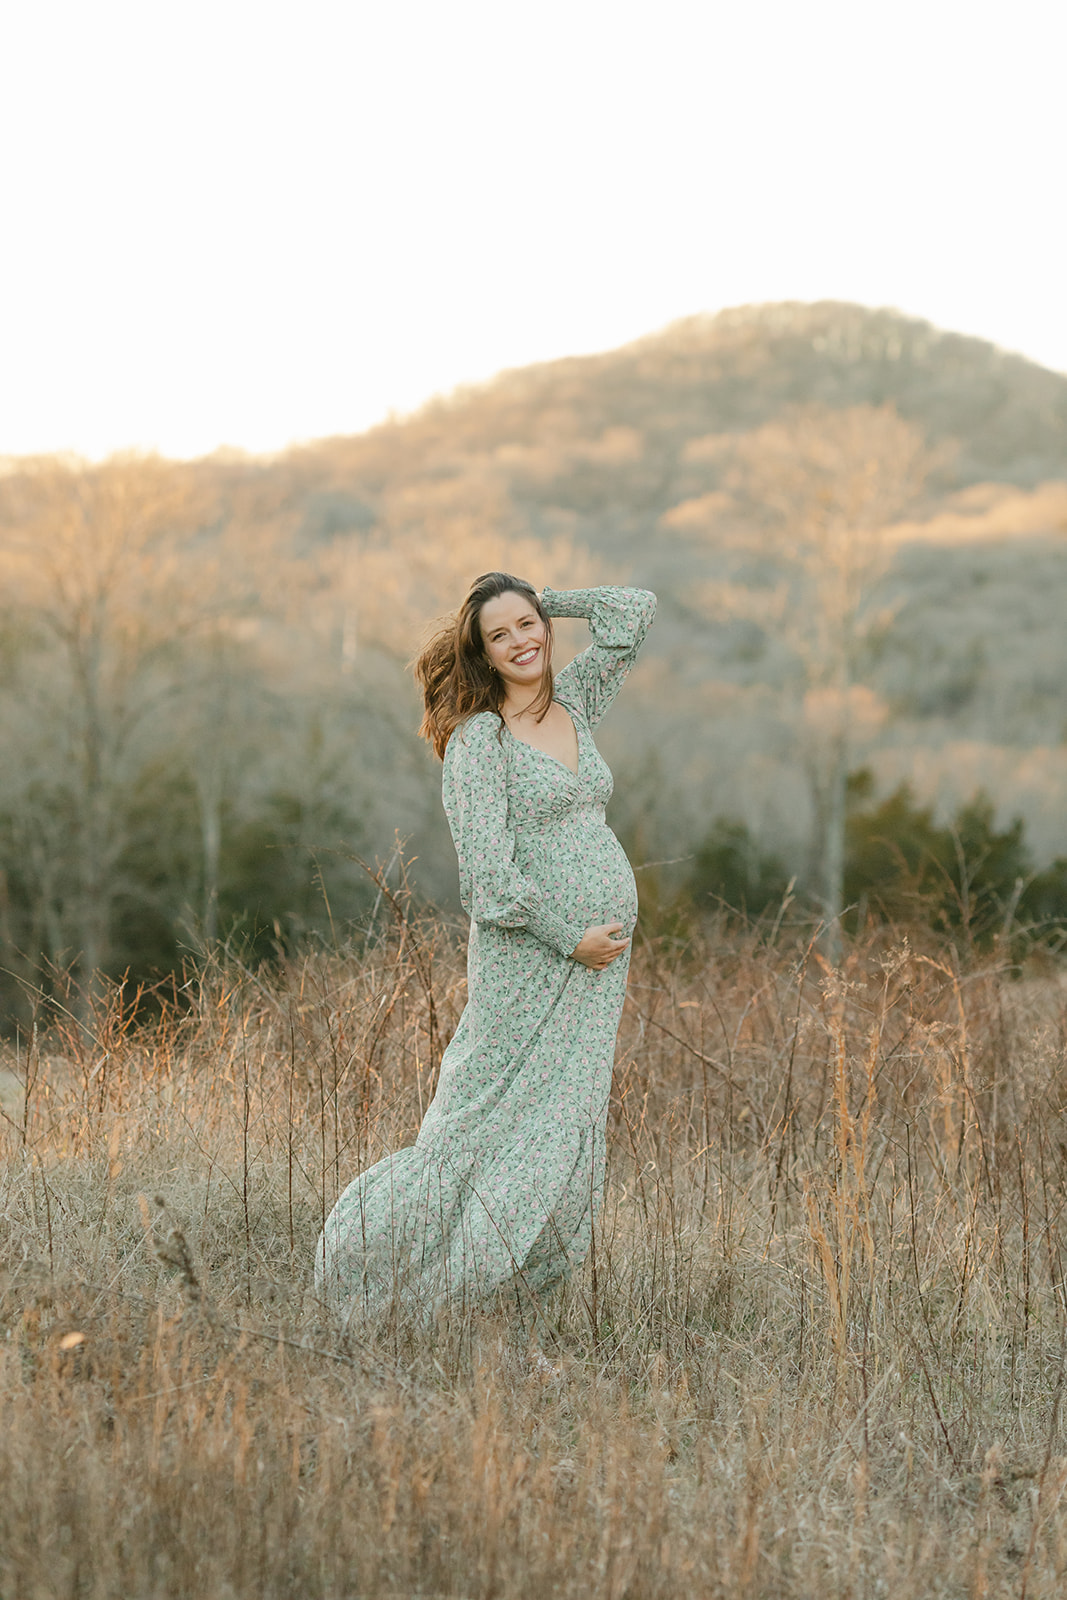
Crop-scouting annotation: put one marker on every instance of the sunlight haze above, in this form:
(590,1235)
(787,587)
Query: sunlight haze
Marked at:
(238,225)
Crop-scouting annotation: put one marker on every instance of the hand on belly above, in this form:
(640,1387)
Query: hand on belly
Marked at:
(600,945)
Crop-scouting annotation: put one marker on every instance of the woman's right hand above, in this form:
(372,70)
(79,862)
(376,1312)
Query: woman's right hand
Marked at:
(600,946)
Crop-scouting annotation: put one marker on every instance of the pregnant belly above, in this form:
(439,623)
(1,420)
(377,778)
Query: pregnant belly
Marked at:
(586,876)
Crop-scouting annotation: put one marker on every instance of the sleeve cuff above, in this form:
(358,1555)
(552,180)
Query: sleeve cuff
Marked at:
(554,930)
(568,602)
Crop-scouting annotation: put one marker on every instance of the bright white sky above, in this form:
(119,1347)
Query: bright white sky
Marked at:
(234,223)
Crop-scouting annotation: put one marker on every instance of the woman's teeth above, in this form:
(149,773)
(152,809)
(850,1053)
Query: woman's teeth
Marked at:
(525,659)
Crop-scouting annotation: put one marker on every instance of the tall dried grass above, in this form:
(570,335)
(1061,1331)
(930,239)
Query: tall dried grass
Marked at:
(818,1350)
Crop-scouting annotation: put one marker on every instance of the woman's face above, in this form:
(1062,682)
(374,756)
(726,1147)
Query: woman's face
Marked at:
(515,640)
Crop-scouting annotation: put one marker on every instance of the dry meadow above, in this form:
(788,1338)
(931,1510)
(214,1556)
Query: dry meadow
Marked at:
(818,1350)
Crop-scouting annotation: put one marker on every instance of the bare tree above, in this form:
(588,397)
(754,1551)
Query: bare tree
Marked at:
(95,565)
(818,493)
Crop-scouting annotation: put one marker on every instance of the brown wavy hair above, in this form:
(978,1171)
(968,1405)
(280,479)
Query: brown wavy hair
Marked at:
(453,670)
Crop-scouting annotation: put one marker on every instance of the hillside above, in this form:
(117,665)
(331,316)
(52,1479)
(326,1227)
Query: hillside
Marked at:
(614,455)
(604,438)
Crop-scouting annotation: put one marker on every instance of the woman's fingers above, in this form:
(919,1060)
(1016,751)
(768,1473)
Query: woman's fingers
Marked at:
(600,945)
(611,931)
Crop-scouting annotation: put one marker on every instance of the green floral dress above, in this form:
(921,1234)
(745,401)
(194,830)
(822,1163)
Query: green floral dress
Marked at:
(500,1188)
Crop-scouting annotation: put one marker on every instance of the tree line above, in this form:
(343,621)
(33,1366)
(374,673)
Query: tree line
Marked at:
(209,731)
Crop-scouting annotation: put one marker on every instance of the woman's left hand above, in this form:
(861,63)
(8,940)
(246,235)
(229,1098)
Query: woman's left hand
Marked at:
(599,946)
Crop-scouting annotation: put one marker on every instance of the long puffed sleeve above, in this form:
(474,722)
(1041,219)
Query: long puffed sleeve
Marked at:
(491,886)
(618,622)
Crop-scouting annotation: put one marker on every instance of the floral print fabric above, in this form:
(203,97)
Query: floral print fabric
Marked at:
(502,1183)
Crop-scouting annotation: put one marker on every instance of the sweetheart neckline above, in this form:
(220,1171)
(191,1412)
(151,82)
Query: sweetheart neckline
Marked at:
(574,771)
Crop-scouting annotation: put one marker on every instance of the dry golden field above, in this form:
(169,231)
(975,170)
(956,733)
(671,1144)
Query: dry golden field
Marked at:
(819,1349)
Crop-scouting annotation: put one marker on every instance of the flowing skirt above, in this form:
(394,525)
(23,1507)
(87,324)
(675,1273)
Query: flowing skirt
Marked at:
(501,1187)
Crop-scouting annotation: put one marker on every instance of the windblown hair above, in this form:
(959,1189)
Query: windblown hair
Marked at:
(453,670)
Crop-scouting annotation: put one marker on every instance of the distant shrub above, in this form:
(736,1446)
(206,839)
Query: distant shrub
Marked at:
(732,871)
(966,877)
(1043,905)
(896,858)
(991,869)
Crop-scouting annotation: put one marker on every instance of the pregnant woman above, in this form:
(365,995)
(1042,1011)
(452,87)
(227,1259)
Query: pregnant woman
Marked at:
(500,1188)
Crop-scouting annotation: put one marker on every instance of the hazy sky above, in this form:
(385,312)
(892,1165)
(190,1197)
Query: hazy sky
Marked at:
(248,223)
